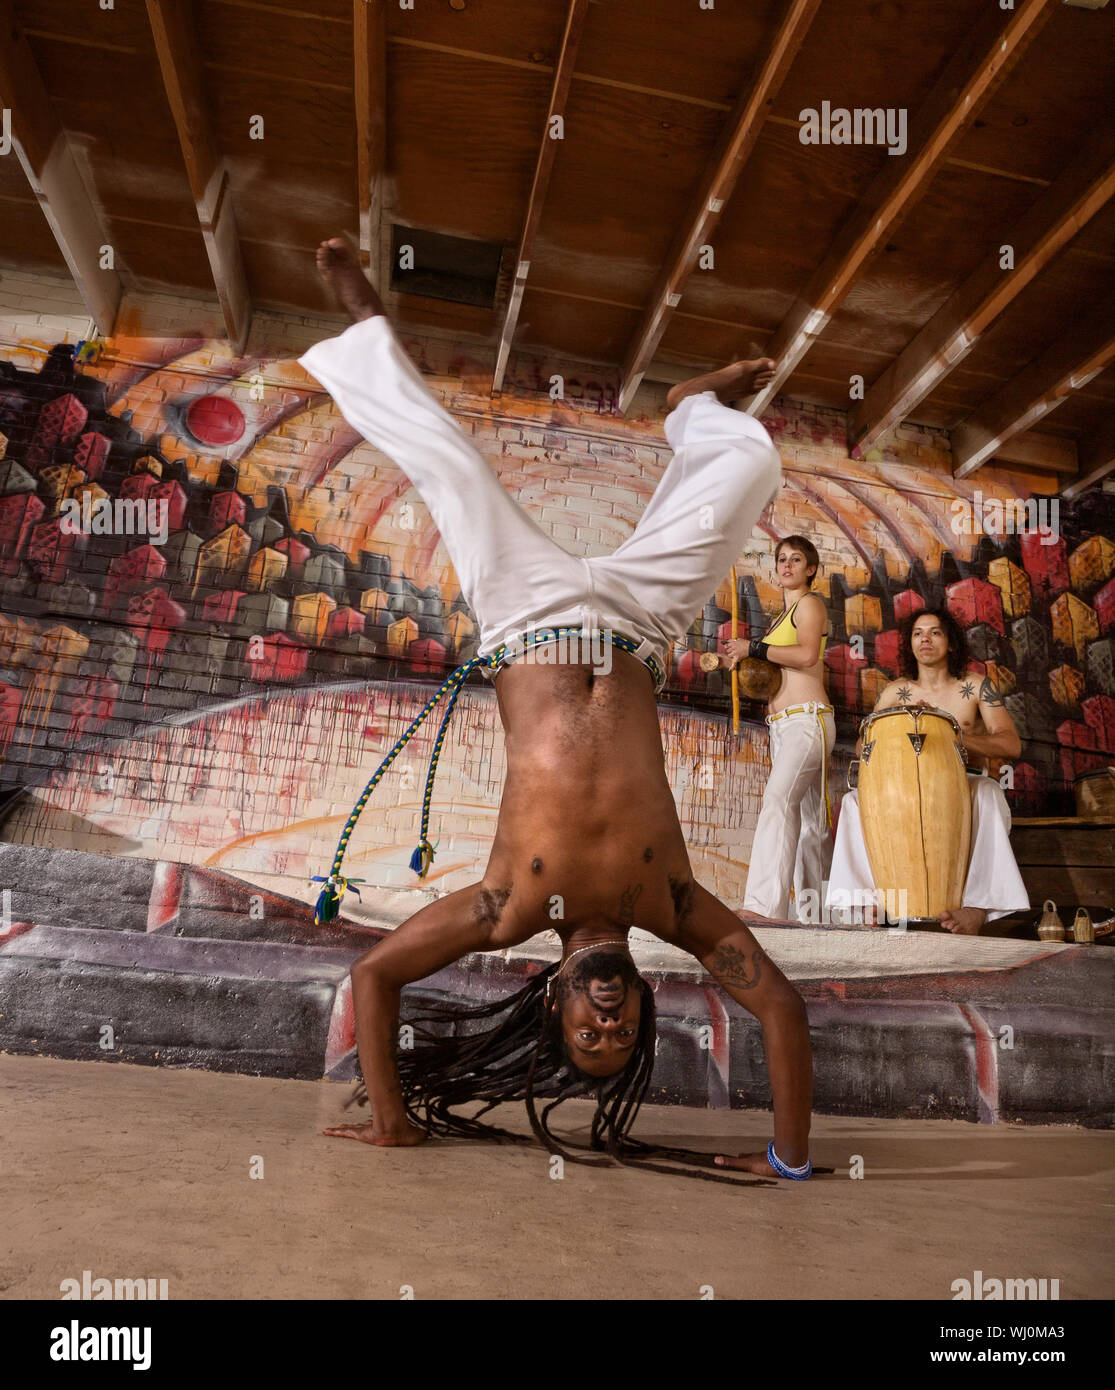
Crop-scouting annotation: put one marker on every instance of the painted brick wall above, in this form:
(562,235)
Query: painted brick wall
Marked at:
(219,696)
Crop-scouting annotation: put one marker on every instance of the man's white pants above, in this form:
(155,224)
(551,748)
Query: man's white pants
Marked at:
(993,881)
(515,577)
(792,844)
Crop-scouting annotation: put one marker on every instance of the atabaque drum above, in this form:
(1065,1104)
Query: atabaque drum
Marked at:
(915,808)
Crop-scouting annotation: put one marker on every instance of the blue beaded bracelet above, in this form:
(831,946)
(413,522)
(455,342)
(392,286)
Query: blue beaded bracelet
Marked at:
(783,1171)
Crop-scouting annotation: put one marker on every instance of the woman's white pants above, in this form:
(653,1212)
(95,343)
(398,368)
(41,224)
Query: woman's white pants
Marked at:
(792,846)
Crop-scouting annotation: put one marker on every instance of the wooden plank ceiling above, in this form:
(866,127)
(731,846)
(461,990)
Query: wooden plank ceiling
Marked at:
(680,129)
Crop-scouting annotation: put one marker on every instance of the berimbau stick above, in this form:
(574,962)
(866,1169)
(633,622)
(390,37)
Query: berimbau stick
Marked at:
(735,634)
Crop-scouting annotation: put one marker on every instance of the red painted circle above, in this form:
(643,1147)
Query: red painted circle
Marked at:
(215,420)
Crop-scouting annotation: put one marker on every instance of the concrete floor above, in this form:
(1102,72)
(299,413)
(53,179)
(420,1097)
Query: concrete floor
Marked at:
(133,1172)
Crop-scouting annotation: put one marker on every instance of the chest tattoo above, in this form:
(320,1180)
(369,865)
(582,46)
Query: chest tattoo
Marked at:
(681,891)
(628,898)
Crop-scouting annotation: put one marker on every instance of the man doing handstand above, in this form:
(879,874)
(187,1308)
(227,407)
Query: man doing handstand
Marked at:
(587,813)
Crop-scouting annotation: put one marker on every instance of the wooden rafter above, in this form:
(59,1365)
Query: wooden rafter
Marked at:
(1047,452)
(547,150)
(41,145)
(172,27)
(1069,363)
(1097,459)
(955,99)
(955,328)
(370,48)
(732,153)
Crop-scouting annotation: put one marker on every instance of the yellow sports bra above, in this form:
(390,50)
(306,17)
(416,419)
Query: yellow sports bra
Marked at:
(782,634)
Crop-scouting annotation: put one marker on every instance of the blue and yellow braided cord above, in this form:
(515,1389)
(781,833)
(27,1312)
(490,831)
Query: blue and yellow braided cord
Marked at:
(335,884)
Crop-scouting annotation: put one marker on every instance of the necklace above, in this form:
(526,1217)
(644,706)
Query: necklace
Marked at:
(596,945)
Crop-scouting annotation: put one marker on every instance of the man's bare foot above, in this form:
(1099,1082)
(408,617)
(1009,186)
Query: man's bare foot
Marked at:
(964,921)
(730,383)
(367,1133)
(339,267)
(747,1163)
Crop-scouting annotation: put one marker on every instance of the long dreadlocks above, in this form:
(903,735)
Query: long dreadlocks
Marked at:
(521,1055)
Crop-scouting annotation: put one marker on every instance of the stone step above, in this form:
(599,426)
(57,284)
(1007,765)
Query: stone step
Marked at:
(1029,1043)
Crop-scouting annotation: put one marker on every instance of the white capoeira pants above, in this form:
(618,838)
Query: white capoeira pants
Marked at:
(993,881)
(516,578)
(792,846)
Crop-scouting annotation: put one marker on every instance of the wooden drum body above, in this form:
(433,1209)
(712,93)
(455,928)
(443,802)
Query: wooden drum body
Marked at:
(916,808)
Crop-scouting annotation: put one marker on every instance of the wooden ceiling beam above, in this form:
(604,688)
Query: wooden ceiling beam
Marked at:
(543,168)
(955,99)
(733,150)
(369,33)
(41,145)
(1047,452)
(1097,459)
(1069,363)
(172,27)
(955,328)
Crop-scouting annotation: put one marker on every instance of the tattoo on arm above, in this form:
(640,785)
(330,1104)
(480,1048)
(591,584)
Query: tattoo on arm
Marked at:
(968,689)
(628,898)
(489,904)
(729,965)
(988,692)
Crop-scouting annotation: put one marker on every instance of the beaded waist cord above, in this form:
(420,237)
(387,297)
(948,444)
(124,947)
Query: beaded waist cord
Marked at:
(334,884)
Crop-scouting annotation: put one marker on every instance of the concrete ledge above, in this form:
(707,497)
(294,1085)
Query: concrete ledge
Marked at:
(903,1025)
(198,1003)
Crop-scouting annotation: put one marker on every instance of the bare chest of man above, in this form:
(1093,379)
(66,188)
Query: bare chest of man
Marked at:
(960,699)
(588,827)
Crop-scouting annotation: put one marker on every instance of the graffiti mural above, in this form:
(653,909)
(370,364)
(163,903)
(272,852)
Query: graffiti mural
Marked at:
(219,607)
(180,529)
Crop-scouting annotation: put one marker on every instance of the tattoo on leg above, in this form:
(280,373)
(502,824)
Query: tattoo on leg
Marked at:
(628,898)
(729,965)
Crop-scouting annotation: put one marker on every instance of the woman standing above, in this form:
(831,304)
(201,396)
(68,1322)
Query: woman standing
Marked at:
(792,848)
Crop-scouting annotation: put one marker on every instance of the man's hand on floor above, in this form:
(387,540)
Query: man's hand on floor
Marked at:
(397,1136)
